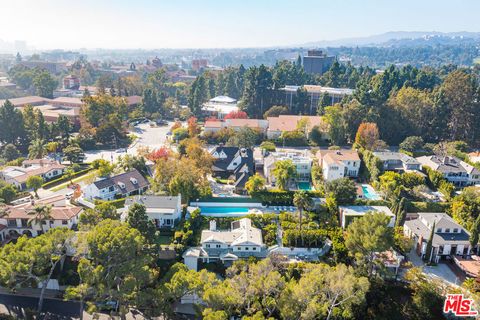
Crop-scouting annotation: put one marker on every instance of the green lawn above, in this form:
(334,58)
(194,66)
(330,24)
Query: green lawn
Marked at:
(76,180)
(164,240)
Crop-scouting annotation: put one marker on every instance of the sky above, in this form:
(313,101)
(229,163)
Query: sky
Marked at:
(150,24)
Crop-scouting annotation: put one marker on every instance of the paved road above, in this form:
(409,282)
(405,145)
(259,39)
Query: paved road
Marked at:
(150,137)
(12,304)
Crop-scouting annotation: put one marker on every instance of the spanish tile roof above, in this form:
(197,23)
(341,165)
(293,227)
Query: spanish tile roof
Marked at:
(333,156)
(289,122)
(57,213)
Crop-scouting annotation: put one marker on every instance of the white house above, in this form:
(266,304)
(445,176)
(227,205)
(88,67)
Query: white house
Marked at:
(164,211)
(122,185)
(338,164)
(220,106)
(301,160)
(348,213)
(20,220)
(46,169)
(241,241)
(449,237)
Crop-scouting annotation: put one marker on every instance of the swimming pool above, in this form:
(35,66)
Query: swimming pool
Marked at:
(370,193)
(224,211)
(304,186)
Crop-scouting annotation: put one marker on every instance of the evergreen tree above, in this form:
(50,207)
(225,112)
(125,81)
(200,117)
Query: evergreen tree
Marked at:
(474,233)
(428,249)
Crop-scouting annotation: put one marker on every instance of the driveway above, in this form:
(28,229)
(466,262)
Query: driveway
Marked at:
(441,271)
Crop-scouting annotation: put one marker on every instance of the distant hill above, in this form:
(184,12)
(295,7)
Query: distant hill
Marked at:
(398,37)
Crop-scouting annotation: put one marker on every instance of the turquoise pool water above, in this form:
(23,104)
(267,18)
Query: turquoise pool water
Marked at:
(369,193)
(304,186)
(224,211)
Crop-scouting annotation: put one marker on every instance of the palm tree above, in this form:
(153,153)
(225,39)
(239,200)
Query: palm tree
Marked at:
(302,201)
(40,214)
(284,171)
(37,149)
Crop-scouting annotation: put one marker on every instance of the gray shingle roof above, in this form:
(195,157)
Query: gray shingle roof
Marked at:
(442,220)
(127,179)
(166,202)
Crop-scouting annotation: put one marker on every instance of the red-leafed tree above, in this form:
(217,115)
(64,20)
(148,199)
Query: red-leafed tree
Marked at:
(236,115)
(161,153)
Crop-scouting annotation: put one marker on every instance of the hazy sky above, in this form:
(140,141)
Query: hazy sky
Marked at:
(48,24)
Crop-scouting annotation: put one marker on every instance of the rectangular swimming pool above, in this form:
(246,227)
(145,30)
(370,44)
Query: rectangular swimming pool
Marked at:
(224,211)
(304,186)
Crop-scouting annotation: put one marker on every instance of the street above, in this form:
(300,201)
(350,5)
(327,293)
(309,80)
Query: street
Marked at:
(58,309)
(151,137)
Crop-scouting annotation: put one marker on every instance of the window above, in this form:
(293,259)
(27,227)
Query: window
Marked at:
(447,230)
(24,223)
(207,246)
(168,222)
(254,248)
(246,248)
(439,230)
(12,222)
(354,164)
(455,230)
(219,246)
(64,222)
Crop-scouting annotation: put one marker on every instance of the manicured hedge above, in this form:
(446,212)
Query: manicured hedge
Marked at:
(229,200)
(63,179)
(117,203)
(284,198)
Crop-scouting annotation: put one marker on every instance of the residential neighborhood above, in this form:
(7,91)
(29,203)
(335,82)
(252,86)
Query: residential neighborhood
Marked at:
(164,161)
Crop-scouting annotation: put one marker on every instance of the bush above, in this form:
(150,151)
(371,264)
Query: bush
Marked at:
(293,138)
(117,203)
(268,146)
(414,206)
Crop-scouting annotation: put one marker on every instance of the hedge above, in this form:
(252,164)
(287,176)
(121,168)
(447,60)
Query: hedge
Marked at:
(284,198)
(117,203)
(63,179)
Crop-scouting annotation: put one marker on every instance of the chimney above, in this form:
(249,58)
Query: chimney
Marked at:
(213,225)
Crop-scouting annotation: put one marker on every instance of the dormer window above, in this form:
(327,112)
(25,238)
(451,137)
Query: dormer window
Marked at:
(121,185)
(447,230)
(133,180)
(455,230)
(439,230)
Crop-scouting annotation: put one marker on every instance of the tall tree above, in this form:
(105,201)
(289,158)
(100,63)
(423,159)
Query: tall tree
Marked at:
(12,129)
(302,201)
(367,235)
(428,249)
(117,267)
(283,172)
